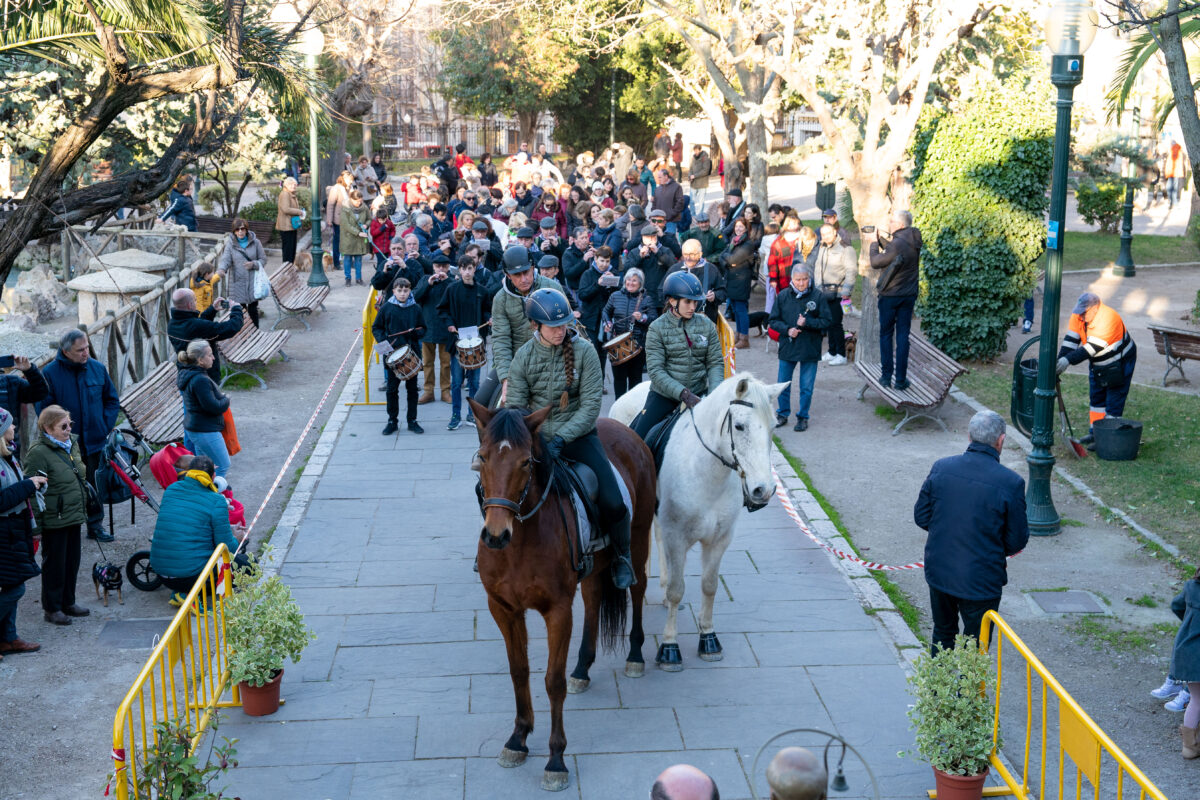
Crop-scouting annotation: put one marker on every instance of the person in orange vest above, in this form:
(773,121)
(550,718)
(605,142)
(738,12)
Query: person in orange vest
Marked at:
(1097,334)
(1174,172)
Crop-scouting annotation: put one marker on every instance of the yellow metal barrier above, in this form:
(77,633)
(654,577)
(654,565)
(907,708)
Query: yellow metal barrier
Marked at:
(185,677)
(1075,737)
(368,350)
(728,342)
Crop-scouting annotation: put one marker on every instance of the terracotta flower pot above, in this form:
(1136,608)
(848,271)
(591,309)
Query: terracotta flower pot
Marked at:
(959,787)
(259,701)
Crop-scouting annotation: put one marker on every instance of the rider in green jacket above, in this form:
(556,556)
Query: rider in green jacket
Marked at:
(559,368)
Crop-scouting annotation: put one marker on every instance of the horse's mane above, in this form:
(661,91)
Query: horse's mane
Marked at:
(508,424)
(756,394)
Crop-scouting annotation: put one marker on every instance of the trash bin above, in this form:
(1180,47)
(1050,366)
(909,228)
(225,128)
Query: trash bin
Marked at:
(826,195)
(1117,438)
(1024,383)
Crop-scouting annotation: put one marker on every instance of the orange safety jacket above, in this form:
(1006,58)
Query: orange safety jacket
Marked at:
(1103,342)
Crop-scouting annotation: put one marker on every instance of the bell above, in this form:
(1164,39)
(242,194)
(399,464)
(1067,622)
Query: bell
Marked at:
(838,784)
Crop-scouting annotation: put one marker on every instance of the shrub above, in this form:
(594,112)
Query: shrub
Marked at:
(210,197)
(980,200)
(172,769)
(952,713)
(264,626)
(1100,203)
(1196,308)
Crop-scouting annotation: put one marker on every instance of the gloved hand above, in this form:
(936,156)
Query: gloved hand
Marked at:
(554,447)
(689,398)
(1062,365)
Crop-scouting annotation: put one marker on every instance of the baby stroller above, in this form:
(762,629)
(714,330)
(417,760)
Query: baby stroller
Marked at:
(118,479)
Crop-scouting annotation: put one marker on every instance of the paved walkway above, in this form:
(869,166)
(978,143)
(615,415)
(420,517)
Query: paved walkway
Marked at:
(406,691)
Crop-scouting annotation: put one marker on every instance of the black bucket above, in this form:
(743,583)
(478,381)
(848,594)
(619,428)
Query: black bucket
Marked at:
(1117,439)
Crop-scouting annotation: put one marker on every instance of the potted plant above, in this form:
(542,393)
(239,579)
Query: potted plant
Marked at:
(263,627)
(952,717)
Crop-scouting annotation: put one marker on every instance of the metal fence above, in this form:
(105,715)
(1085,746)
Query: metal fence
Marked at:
(428,140)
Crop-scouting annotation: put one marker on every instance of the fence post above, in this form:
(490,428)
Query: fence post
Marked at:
(65,248)
(180,244)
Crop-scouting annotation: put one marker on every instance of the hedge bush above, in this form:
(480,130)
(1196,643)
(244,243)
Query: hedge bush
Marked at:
(980,199)
(1100,203)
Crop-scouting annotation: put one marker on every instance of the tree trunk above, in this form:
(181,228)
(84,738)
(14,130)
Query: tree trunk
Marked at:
(757,147)
(527,124)
(368,146)
(871,207)
(1171,41)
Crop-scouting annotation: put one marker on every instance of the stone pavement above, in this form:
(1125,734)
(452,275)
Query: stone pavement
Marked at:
(406,691)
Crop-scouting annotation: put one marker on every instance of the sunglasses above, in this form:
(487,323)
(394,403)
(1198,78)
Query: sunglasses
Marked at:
(241,230)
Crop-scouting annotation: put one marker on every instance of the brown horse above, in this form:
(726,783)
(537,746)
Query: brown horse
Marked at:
(527,561)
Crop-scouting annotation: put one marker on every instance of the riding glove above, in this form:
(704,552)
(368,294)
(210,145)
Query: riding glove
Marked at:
(554,447)
(688,397)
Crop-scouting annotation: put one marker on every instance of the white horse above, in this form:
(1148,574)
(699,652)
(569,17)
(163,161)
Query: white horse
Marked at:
(717,461)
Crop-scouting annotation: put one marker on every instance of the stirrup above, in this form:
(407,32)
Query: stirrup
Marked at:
(615,567)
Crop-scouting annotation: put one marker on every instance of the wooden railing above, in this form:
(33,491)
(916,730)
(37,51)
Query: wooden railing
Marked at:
(183,246)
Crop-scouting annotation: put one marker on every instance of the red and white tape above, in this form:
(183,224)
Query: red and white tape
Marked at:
(785,498)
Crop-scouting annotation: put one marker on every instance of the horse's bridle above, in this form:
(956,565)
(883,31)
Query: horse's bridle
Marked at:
(735,465)
(515,507)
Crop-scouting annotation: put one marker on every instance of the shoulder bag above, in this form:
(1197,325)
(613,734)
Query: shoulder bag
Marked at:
(91,497)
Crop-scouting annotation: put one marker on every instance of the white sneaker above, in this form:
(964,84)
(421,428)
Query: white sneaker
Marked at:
(1168,690)
(826,357)
(1180,702)
(837,361)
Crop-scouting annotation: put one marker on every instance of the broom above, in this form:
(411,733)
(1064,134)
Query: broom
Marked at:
(1068,433)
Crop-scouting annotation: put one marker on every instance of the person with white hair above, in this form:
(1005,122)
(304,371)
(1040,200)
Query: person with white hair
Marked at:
(289,216)
(974,510)
(800,317)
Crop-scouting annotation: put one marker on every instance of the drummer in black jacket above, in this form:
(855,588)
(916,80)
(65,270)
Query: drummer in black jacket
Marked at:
(464,304)
(800,317)
(400,324)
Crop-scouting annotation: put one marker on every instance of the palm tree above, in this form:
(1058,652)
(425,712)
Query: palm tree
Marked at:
(145,50)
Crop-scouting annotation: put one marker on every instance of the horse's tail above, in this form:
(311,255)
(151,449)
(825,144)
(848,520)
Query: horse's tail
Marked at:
(613,609)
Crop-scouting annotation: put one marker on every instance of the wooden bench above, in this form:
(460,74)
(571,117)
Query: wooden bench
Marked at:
(1178,346)
(250,349)
(154,407)
(931,373)
(294,297)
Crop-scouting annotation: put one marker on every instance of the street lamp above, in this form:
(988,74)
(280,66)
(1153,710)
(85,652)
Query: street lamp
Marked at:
(1124,267)
(1070,30)
(310,44)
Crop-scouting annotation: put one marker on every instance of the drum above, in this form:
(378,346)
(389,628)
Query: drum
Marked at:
(405,363)
(622,348)
(471,353)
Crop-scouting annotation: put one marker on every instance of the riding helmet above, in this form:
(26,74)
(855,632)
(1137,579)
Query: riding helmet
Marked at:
(683,285)
(549,307)
(516,259)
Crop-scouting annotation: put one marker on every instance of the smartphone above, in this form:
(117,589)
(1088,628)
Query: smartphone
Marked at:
(7,362)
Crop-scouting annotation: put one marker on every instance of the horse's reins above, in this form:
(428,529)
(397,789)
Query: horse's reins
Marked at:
(736,466)
(515,508)
(578,559)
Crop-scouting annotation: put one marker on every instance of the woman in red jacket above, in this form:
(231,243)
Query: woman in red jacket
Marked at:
(383,230)
(548,206)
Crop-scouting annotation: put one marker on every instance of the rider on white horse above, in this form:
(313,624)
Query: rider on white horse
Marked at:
(683,353)
(559,368)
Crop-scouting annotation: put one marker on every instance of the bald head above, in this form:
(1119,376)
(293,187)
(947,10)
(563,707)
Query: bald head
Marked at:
(684,782)
(183,299)
(796,774)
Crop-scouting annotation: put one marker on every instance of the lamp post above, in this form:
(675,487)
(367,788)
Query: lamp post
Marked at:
(1124,268)
(1069,32)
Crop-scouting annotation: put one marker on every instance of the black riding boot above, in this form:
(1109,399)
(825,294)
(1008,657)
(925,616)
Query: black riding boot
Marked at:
(622,566)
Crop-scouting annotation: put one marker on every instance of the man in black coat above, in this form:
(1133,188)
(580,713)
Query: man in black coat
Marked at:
(187,324)
(800,317)
(711,279)
(577,257)
(401,264)
(653,259)
(27,387)
(400,323)
(974,510)
(897,286)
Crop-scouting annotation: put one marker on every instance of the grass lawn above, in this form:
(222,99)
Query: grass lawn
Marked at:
(1161,488)
(1084,250)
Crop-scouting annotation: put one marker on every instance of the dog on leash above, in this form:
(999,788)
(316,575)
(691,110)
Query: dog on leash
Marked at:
(108,575)
(758,319)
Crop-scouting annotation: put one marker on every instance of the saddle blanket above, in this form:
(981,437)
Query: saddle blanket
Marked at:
(590,541)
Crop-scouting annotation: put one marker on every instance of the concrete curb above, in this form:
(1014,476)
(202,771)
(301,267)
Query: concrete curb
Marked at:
(870,595)
(314,468)
(1108,271)
(1026,445)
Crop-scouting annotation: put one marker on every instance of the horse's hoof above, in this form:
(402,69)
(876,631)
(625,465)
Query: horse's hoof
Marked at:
(554,781)
(710,648)
(511,758)
(669,658)
(578,685)
(635,669)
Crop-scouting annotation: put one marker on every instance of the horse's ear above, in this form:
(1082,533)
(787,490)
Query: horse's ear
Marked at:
(482,417)
(743,387)
(534,421)
(776,389)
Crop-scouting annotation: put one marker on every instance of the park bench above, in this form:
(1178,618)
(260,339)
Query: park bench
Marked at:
(153,406)
(293,297)
(1178,346)
(250,349)
(931,373)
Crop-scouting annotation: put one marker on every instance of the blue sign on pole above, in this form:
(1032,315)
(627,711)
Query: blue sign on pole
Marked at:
(1052,235)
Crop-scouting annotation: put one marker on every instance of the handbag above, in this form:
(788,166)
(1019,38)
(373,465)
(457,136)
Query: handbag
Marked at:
(229,433)
(91,497)
(296,223)
(262,284)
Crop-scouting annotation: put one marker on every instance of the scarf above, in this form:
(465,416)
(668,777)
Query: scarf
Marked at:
(11,475)
(200,477)
(55,442)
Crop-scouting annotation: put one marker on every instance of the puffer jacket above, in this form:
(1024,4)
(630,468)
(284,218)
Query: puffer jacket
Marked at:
(192,521)
(203,404)
(237,263)
(675,365)
(835,269)
(536,378)
(16,527)
(66,504)
(17,388)
(609,236)
(510,326)
(87,393)
(618,312)
(352,242)
(1185,658)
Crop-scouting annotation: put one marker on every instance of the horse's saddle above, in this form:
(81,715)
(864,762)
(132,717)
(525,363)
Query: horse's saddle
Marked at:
(585,486)
(659,435)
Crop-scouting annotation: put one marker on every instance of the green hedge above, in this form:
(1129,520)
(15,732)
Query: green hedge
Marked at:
(979,199)
(1101,203)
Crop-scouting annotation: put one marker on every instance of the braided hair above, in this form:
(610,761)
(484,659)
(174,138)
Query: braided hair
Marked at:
(568,367)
